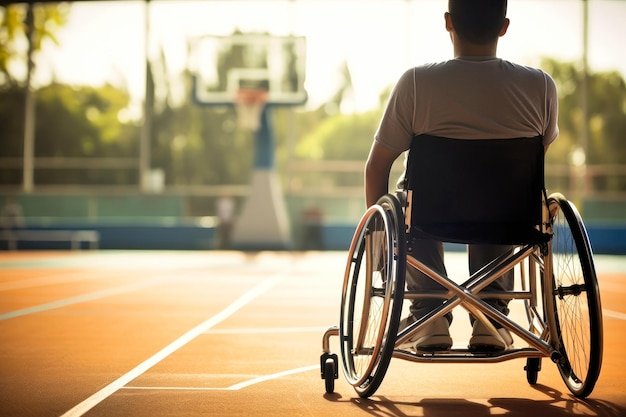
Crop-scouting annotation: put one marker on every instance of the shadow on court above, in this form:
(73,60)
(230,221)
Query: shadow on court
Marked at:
(560,405)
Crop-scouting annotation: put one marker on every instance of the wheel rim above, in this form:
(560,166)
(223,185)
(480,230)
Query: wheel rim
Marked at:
(576,299)
(372,296)
(368,303)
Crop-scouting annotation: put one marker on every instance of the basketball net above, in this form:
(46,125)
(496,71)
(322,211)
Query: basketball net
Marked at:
(249,103)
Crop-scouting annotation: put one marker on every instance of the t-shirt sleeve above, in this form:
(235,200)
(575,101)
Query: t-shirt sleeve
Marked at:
(551,130)
(395,130)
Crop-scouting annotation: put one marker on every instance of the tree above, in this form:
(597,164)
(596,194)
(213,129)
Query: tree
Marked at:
(13,32)
(607,114)
(606,121)
(340,137)
(78,122)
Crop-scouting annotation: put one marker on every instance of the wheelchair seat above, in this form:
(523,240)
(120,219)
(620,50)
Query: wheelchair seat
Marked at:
(475,190)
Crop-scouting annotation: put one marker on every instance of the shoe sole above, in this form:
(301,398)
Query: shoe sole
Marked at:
(433,349)
(485,348)
(434,344)
(486,343)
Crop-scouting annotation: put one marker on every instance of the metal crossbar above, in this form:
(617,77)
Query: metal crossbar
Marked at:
(469,295)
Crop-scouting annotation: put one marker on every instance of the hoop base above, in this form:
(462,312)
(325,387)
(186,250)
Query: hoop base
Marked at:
(263,223)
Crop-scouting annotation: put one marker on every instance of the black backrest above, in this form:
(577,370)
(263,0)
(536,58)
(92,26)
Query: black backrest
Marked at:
(476,191)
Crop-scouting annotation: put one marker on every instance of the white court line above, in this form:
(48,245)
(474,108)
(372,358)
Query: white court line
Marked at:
(82,298)
(267,330)
(613,314)
(46,280)
(272,376)
(105,392)
(235,387)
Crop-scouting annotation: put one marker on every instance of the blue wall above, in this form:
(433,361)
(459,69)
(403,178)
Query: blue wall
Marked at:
(605,238)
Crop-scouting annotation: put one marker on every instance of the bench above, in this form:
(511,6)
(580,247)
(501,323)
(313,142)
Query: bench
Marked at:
(75,237)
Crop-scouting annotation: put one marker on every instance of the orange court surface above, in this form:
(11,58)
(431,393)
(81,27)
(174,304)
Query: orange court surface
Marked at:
(149,333)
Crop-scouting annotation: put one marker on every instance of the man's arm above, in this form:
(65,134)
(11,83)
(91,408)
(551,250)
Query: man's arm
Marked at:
(377,169)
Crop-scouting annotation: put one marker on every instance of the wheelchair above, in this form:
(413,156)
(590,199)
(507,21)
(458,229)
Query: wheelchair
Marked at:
(471,191)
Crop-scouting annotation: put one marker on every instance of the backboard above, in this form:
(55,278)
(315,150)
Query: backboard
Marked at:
(226,66)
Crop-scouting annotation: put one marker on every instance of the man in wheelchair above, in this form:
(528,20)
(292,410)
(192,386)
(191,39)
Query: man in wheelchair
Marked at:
(475,95)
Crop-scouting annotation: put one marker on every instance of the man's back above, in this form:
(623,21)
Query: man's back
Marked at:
(471,98)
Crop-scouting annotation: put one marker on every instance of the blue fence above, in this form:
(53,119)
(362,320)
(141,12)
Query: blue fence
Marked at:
(163,222)
(605,238)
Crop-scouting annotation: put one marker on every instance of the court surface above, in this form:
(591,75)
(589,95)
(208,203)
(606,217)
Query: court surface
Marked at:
(144,334)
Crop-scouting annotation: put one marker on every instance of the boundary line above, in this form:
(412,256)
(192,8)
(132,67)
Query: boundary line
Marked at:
(245,384)
(235,387)
(265,330)
(613,314)
(85,297)
(89,403)
(46,280)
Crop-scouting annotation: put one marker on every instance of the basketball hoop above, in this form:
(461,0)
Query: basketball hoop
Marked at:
(249,103)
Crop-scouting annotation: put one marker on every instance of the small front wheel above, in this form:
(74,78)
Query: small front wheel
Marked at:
(532,368)
(330,370)
(329,364)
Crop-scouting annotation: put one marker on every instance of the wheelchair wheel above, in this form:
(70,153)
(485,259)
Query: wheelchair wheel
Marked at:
(576,299)
(372,296)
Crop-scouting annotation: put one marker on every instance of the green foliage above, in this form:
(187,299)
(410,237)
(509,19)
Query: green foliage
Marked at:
(79,122)
(607,115)
(340,137)
(47,18)
(11,121)
(82,122)
(608,119)
(200,145)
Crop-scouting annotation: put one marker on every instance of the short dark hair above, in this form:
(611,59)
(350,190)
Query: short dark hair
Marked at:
(478,21)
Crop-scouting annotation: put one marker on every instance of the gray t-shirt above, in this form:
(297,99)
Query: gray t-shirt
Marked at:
(470,98)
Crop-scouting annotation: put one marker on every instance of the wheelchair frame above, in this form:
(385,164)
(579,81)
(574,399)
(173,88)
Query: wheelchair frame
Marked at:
(556,280)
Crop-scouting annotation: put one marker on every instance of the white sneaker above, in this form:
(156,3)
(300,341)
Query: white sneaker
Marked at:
(434,337)
(484,341)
